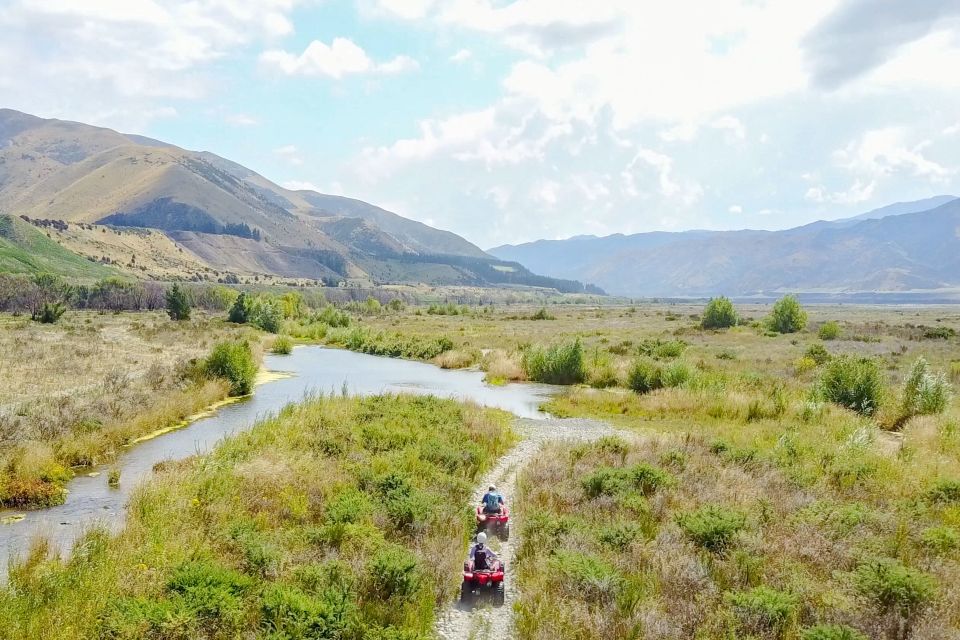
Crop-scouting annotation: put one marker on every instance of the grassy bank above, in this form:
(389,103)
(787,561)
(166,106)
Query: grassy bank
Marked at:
(694,537)
(340,517)
(73,393)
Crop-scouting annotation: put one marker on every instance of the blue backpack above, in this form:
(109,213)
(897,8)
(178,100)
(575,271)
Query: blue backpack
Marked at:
(492,501)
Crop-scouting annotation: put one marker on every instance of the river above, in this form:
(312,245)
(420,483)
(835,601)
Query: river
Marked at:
(307,370)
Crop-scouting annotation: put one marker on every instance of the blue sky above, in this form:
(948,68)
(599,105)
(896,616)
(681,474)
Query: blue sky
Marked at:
(511,120)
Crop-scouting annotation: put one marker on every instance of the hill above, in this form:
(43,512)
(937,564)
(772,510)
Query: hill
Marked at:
(226,217)
(895,249)
(24,249)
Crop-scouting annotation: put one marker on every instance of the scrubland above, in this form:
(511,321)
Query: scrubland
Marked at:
(338,518)
(74,392)
(773,485)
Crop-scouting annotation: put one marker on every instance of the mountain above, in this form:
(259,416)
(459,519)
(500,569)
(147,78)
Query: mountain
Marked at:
(904,247)
(228,218)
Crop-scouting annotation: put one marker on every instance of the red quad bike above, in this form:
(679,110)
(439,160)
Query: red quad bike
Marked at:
(485,582)
(497,523)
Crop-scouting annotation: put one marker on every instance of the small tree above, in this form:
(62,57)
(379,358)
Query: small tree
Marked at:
(719,314)
(855,383)
(925,392)
(49,313)
(787,316)
(178,304)
(265,313)
(240,310)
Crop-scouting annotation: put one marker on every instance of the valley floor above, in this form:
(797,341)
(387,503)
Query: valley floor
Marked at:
(733,501)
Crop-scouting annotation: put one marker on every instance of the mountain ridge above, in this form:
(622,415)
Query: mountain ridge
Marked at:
(230,217)
(869,252)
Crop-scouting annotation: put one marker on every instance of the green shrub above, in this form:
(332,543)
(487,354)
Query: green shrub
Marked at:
(829,330)
(818,353)
(787,316)
(559,364)
(178,303)
(282,345)
(831,632)
(855,383)
(945,491)
(240,310)
(542,314)
(645,376)
(291,613)
(676,375)
(713,527)
(621,535)
(265,313)
(395,572)
(939,333)
(234,362)
(661,349)
(588,576)
(941,540)
(348,507)
(894,588)
(612,480)
(49,313)
(211,591)
(924,392)
(764,611)
(719,314)
(332,317)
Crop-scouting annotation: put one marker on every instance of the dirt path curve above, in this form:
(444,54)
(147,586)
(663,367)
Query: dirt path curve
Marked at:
(481,622)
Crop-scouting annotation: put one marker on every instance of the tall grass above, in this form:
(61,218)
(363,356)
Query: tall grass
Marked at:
(340,517)
(558,364)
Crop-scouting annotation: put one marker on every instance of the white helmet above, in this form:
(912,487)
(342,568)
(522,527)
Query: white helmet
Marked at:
(481,538)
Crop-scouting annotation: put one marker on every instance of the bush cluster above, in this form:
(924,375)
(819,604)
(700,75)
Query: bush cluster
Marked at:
(559,364)
(854,383)
(234,362)
(719,314)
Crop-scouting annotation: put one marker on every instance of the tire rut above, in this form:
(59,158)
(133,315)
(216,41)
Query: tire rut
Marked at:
(480,621)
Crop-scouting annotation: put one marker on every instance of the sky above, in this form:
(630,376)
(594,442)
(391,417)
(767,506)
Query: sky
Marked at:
(511,120)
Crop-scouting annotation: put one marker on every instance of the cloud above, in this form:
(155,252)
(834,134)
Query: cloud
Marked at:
(301,185)
(732,125)
(289,154)
(240,120)
(884,152)
(461,56)
(858,192)
(111,62)
(685,192)
(861,35)
(340,58)
(735,209)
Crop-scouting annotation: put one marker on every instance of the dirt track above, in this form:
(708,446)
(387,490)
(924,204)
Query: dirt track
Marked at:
(481,621)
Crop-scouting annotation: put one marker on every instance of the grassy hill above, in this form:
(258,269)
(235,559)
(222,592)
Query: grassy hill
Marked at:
(25,249)
(218,216)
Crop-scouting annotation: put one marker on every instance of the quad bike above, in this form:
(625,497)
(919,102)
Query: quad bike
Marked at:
(483,582)
(497,523)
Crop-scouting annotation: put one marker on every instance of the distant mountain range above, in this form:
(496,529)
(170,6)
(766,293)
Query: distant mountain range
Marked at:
(221,217)
(904,247)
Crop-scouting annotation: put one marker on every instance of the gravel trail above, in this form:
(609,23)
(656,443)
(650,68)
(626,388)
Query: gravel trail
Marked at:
(481,621)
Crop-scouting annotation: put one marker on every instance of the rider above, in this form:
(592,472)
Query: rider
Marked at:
(492,502)
(481,556)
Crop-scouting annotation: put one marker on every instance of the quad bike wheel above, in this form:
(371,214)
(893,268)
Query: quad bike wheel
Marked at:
(505,532)
(499,595)
(466,591)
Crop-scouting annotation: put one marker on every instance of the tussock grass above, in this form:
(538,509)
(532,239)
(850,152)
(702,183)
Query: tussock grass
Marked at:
(73,393)
(340,517)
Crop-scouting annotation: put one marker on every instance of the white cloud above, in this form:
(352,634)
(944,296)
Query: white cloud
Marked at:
(735,209)
(301,185)
(112,61)
(732,125)
(686,192)
(240,120)
(461,56)
(340,58)
(858,192)
(289,154)
(883,152)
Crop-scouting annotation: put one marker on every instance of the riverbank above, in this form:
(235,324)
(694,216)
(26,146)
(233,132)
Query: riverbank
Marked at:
(73,394)
(341,514)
